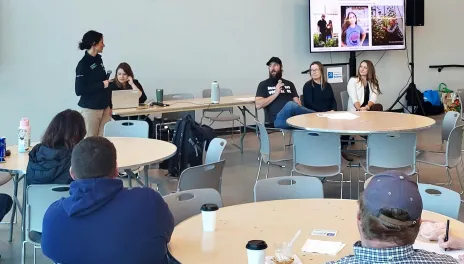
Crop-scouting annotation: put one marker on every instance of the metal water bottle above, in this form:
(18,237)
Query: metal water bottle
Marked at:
(2,149)
(215,93)
(24,135)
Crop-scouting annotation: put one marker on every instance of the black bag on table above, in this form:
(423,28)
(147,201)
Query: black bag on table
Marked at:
(189,138)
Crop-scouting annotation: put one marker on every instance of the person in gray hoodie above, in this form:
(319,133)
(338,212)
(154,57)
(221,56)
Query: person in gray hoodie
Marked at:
(50,160)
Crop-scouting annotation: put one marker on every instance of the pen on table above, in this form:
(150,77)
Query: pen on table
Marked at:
(447,232)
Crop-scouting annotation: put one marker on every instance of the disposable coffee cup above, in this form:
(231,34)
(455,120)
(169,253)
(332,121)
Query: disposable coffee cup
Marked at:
(159,96)
(208,214)
(256,251)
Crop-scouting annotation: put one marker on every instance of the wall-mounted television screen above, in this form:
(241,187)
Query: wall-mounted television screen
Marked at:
(356,25)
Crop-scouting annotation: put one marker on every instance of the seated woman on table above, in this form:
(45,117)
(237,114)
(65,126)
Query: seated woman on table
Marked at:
(363,89)
(125,81)
(317,92)
(50,160)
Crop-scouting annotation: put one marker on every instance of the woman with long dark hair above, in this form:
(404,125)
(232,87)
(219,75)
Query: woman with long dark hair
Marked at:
(50,160)
(364,89)
(92,84)
(125,80)
(352,34)
(317,92)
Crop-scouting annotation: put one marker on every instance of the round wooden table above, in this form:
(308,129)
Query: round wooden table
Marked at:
(274,221)
(368,122)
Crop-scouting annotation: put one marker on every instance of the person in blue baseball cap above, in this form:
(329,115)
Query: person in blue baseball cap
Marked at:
(389,219)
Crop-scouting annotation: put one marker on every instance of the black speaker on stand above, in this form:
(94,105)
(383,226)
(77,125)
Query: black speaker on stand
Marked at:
(414,17)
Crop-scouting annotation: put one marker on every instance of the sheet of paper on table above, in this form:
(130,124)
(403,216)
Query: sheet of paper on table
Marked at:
(340,116)
(322,247)
(244,99)
(433,247)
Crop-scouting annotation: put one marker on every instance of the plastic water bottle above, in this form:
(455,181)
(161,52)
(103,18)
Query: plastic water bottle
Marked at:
(215,93)
(24,135)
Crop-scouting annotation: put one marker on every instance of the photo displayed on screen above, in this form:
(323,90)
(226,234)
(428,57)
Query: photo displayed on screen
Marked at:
(387,25)
(356,25)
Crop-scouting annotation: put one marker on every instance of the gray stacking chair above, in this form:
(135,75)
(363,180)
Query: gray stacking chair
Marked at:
(288,187)
(317,154)
(38,199)
(126,128)
(390,151)
(186,204)
(448,160)
(265,150)
(460,93)
(215,149)
(220,114)
(449,122)
(201,177)
(440,200)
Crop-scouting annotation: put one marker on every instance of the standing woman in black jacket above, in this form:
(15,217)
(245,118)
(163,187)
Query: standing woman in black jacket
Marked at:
(92,84)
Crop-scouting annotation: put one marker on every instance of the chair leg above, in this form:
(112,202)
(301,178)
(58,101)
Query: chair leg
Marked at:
(450,181)
(35,255)
(268,166)
(259,168)
(233,123)
(283,135)
(341,187)
(291,172)
(459,179)
(350,183)
(23,253)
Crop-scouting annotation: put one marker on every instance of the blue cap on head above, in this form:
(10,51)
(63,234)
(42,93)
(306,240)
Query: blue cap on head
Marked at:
(393,190)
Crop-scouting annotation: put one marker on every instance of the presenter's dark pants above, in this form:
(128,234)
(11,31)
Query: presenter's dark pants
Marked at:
(344,139)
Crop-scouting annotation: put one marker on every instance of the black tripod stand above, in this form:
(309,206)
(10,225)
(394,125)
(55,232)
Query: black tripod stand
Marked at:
(411,91)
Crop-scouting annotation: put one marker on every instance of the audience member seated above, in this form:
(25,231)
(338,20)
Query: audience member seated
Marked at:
(389,219)
(278,97)
(364,89)
(125,81)
(50,160)
(317,93)
(101,221)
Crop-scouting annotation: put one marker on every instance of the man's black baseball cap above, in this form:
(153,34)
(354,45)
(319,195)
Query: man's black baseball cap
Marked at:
(275,60)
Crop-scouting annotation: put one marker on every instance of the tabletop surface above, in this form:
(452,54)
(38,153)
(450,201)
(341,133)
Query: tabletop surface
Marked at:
(274,221)
(368,122)
(188,105)
(131,152)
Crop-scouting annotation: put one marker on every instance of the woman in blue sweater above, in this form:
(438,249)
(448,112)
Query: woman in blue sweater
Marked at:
(317,92)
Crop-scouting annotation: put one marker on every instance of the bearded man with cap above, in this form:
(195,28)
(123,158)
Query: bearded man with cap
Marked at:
(278,97)
(389,219)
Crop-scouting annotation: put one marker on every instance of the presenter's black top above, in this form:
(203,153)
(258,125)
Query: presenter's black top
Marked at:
(90,74)
(366,95)
(267,87)
(318,99)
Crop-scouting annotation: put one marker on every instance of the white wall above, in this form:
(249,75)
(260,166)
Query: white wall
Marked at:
(183,45)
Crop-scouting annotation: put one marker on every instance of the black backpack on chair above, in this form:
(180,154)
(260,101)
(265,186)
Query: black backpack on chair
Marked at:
(189,138)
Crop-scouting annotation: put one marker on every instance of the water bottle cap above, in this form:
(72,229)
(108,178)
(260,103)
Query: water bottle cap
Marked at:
(24,122)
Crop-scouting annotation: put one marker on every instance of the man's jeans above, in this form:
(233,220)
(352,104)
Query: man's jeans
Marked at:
(290,109)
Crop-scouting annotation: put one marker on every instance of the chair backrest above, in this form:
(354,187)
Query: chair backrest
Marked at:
(177,115)
(264,144)
(288,187)
(126,128)
(391,150)
(201,177)
(38,199)
(449,122)
(215,148)
(222,92)
(453,147)
(345,97)
(324,149)
(440,200)
(186,204)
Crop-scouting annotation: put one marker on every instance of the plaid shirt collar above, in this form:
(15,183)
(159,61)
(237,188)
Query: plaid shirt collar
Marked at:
(382,254)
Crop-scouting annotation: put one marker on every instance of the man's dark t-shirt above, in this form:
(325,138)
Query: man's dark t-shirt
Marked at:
(322,24)
(266,88)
